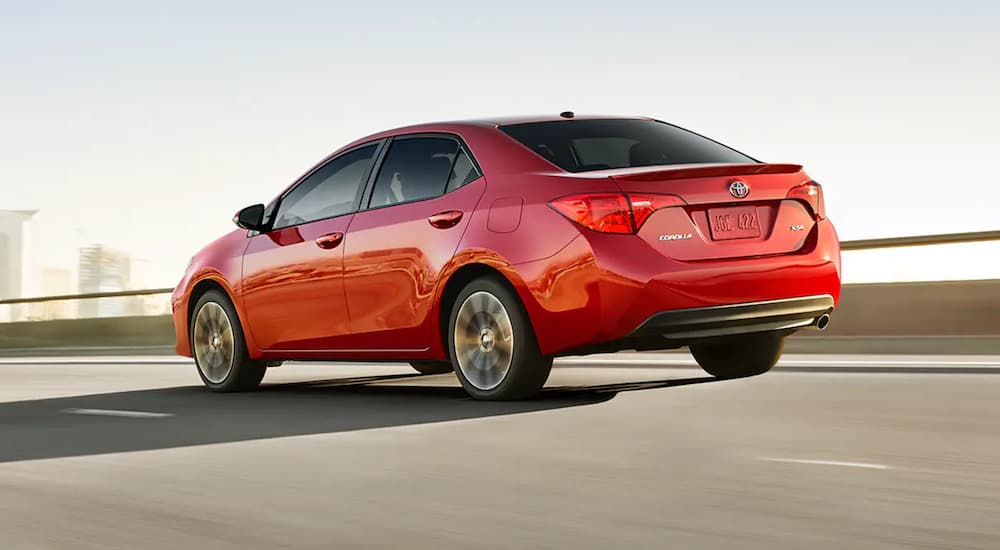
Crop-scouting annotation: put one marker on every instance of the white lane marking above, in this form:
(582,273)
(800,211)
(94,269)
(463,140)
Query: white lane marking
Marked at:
(890,362)
(791,362)
(868,465)
(110,412)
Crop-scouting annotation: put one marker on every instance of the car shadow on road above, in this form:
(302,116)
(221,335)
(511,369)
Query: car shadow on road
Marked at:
(52,428)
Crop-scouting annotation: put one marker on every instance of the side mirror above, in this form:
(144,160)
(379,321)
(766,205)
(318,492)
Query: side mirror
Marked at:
(251,217)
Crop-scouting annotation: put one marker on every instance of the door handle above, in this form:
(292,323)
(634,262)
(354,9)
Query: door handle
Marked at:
(446,219)
(331,240)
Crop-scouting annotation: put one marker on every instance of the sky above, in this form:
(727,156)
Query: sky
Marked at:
(145,126)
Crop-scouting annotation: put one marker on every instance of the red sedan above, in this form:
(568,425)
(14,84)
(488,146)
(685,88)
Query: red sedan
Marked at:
(489,247)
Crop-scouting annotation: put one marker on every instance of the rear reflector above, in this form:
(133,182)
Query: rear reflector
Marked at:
(613,212)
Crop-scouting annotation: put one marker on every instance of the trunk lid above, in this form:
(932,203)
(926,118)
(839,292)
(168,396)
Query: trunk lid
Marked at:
(731,210)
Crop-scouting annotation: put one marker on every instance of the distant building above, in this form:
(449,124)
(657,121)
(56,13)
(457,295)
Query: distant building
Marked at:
(103,269)
(14,232)
(140,274)
(14,261)
(56,282)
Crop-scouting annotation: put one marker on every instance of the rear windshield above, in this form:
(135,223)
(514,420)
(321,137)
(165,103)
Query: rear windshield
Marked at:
(583,145)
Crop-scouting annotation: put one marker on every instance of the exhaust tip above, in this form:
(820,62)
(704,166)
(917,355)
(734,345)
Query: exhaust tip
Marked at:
(823,321)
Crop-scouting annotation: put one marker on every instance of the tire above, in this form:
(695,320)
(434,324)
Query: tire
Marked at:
(489,330)
(218,347)
(739,356)
(431,367)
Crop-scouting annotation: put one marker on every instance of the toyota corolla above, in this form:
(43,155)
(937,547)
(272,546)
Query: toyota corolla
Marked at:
(488,247)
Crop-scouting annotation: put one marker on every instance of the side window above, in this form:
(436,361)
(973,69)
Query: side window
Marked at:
(414,169)
(327,192)
(463,172)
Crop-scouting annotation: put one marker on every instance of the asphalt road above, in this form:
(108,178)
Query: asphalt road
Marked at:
(618,452)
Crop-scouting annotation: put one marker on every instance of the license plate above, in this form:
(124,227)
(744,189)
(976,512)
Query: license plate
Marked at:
(736,222)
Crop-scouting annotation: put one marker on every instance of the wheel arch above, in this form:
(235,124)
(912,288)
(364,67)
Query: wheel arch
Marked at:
(208,283)
(200,289)
(454,284)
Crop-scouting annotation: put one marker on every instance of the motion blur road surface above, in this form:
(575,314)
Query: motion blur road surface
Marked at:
(626,451)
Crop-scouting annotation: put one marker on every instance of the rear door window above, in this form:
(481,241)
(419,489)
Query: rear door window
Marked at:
(463,172)
(414,169)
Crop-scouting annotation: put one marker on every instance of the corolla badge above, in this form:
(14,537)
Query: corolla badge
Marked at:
(739,189)
(675,237)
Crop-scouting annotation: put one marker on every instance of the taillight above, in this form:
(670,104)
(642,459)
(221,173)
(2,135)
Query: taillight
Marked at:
(812,194)
(607,213)
(613,212)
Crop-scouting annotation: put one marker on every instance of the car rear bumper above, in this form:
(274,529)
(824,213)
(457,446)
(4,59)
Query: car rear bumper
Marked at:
(684,325)
(617,293)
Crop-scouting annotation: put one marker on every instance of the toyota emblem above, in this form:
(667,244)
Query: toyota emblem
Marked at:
(739,189)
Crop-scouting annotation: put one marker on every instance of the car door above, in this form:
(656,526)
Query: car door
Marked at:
(293,288)
(417,209)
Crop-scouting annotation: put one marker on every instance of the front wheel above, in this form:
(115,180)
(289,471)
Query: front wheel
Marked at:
(218,347)
(739,356)
(492,344)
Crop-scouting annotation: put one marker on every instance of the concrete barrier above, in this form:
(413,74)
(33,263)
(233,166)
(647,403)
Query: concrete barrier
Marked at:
(947,317)
(949,308)
(952,317)
(154,330)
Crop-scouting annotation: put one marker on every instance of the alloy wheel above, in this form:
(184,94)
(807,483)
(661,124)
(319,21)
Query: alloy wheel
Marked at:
(484,340)
(214,346)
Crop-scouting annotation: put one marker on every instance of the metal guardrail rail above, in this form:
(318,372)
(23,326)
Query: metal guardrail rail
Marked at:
(864,244)
(922,240)
(91,295)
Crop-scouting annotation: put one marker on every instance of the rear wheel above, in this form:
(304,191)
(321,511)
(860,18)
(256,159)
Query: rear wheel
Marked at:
(739,356)
(218,347)
(431,367)
(492,344)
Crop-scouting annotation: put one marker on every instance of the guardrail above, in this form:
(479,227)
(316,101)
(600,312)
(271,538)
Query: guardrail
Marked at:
(864,244)
(88,296)
(921,240)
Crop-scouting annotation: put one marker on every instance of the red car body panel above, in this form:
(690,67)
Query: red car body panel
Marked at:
(293,290)
(379,294)
(394,262)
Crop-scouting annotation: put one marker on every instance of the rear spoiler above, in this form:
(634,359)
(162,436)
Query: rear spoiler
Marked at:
(716,170)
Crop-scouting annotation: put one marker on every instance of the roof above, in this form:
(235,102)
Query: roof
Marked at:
(524,119)
(490,122)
